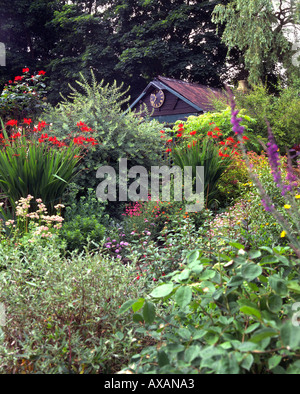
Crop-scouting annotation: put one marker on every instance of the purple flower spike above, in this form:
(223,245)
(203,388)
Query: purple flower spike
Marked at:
(235,121)
(274,158)
(267,205)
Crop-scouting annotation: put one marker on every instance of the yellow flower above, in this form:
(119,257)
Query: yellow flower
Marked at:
(298,196)
(283,234)
(287,206)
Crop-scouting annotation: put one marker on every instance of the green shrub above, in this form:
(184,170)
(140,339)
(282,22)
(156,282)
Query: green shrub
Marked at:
(120,135)
(281,110)
(80,231)
(61,313)
(28,166)
(204,154)
(24,97)
(84,219)
(220,121)
(233,182)
(233,314)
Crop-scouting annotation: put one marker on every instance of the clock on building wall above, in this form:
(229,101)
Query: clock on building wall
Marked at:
(157,98)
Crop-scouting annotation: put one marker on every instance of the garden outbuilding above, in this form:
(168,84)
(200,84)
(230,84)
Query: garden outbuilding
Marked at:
(169,100)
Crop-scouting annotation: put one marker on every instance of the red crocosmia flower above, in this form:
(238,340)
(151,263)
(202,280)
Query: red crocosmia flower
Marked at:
(16,135)
(169,140)
(12,122)
(10,81)
(18,78)
(214,136)
(162,131)
(179,135)
(55,141)
(217,129)
(25,70)
(168,150)
(245,137)
(211,123)
(78,140)
(194,143)
(235,152)
(45,136)
(180,125)
(220,153)
(42,125)
(189,145)
(219,134)
(193,132)
(41,72)
(27,121)
(210,133)
(86,128)
(1,135)
(83,126)
(92,141)
(222,143)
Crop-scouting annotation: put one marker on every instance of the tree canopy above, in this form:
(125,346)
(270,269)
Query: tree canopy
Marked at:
(129,41)
(132,41)
(258,29)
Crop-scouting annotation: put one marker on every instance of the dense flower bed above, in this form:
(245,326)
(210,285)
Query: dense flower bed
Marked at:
(155,289)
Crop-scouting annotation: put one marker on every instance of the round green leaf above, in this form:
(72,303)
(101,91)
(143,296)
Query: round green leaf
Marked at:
(274,303)
(149,312)
(162,291)
(251,271)
(278,285)
(137,318)
(248,310)
(274,361)
(183,296)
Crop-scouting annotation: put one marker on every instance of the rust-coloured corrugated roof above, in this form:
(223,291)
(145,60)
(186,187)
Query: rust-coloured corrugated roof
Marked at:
(196,93)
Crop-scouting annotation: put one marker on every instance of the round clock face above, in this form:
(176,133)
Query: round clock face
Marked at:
(157,98)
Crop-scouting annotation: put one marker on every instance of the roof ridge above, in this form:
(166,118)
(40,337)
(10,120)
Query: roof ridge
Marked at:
(163,79)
